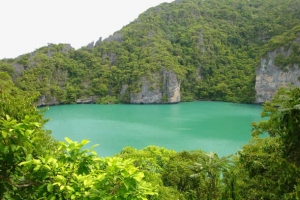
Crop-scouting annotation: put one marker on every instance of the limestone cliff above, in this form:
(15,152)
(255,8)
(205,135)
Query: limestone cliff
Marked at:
(46,100)
(270,77)
(86,100)
(162,88)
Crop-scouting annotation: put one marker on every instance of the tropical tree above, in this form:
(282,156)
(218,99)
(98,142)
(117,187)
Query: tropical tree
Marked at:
(34,166)
(197,174)
(283,114)
(269,166)
(22,135)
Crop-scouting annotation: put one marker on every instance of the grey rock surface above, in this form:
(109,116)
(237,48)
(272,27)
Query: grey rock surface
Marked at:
(99,41)
(47,101)
(270,77)
(86,100)
(90,45)
(117,36)
(164,88)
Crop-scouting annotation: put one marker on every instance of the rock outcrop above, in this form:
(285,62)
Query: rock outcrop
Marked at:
(86,100)
(19,68)
(117,36)
(163,88)
(90,45)
(51,100)
(171,87)
(98,42)
(270,77)
(47,101)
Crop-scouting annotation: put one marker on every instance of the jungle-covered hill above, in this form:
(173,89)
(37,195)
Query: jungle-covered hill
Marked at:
(206,49)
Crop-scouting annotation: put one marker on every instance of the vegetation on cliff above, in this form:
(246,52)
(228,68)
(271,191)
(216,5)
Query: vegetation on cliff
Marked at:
(213,47)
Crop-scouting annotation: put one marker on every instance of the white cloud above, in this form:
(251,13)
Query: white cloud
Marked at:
(28,25)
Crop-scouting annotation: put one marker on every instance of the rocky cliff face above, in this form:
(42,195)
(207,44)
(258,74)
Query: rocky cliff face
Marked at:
(163,88)
(47,101)
(270,77)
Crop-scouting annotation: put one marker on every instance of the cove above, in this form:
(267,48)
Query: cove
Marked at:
(210,126)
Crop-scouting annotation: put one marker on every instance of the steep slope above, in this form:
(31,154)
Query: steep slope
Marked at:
(279,67)
(184,50)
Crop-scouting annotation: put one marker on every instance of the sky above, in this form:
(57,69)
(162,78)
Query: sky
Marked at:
(26,25)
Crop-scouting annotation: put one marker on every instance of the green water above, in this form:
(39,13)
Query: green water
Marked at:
(210,126)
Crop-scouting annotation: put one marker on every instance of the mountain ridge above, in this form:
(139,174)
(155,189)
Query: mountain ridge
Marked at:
(212,47)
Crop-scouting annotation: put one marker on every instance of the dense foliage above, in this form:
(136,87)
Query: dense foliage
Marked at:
(270,166)
(213,46)
(35,166)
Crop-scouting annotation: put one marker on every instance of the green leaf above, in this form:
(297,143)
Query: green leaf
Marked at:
(36,168)
(36,124)
(84,142)
(70,188)
(93,152)
(8,118)
(6,150)
(57,183)
(53,197)
(47,167)
(28,157)
(24,163)
(94,146)
(68,140)
(4,134)
(28,133)
(61,178)
(50,187)
(62,187)
(51,160)
(138,176)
